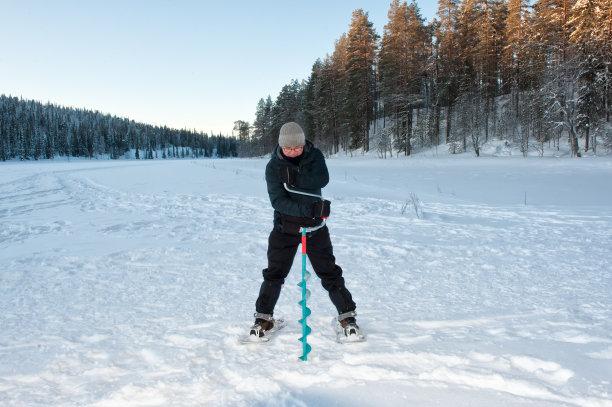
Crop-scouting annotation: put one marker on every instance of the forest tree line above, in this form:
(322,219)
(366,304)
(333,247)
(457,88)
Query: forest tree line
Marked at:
(30,130)
(526,72)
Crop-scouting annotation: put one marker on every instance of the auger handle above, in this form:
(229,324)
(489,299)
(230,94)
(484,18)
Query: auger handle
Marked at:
(295,191)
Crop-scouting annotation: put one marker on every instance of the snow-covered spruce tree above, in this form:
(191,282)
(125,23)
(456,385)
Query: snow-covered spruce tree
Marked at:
(470,120)
(561,93)
(588,40)
(540,127)
(383,141)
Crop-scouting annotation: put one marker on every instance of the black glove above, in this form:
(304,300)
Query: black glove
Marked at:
(320,209)
(286,175)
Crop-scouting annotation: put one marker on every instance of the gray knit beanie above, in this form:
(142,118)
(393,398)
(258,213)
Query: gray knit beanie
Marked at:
(291,135)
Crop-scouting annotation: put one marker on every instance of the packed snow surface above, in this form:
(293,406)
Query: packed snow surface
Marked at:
(479,281)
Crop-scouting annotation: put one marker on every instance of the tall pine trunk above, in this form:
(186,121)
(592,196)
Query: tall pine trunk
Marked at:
(448,121)
(408,131)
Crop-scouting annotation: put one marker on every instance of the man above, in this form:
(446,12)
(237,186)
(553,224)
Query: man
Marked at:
(298,164)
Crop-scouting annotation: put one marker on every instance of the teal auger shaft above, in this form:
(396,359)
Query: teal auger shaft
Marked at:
(305,294)
(305,275)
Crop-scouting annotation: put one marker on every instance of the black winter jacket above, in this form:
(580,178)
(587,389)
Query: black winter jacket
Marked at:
(294,210)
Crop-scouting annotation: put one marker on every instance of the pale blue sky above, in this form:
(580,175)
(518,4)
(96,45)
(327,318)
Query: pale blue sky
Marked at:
(185,64)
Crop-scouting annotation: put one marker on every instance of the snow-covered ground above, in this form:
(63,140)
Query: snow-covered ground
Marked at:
(480,282)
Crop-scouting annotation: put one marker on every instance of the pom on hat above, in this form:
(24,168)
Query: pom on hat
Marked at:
(291,135)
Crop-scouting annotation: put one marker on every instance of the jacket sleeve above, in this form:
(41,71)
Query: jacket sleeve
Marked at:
(315,175)
(279,197)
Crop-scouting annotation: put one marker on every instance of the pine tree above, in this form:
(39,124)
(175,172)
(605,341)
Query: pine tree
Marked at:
(262,126)
(402,68)
(3,141)
(361,78)
(604,36)
(287,107)
(448,62)
(467,85)
(312,104)
(514,64)
(515,49)
(487,56)
(338,93)
(326,108)
(551,29)
(243,130)
(587,29)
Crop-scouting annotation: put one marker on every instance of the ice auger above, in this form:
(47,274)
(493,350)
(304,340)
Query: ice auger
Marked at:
(306,330)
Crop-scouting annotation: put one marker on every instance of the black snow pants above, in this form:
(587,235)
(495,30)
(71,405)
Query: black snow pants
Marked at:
(282,248)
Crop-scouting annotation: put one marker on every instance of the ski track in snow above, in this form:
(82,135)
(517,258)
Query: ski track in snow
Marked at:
(128,283)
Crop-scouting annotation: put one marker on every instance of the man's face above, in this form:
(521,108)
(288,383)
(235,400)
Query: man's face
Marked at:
(293,152)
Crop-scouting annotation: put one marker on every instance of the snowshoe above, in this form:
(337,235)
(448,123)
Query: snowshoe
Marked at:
(264,328)
(346,328)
